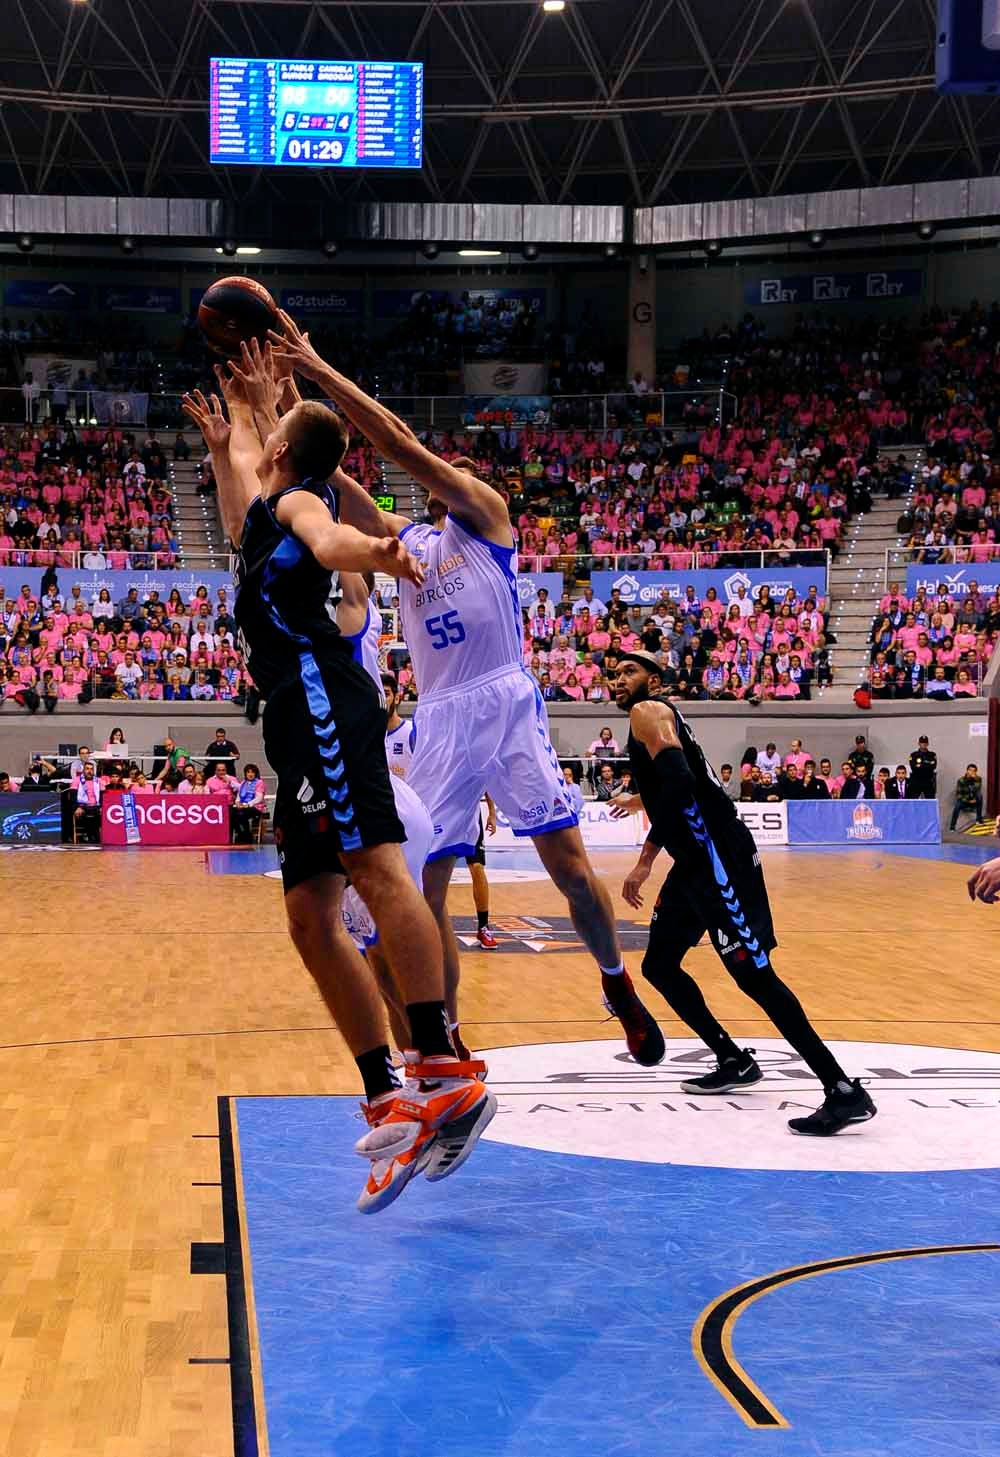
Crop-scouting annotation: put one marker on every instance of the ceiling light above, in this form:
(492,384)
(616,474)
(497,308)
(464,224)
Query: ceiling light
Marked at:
(816,239)
(530,251)
(329,248)
(431,250)
(611,250)
(25,242)
(127,245)
(553,7)
(480,253)
(926,230)
(230,249)
(713,247)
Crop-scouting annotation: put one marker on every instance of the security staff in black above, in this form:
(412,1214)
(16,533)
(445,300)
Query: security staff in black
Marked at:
(716,885)
(324,723)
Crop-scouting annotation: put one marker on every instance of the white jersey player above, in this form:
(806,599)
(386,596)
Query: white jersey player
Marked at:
(481,724)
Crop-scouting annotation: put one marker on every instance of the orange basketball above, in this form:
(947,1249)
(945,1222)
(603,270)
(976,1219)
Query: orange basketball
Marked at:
(235,310)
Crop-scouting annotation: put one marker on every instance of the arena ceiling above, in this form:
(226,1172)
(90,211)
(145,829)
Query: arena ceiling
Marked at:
(611,101)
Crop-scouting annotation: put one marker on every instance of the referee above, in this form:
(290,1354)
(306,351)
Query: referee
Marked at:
(716,885)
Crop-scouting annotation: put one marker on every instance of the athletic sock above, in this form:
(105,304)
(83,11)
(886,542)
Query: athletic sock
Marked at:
(377,1072)
(483,917)
(429,1029)
(612,970)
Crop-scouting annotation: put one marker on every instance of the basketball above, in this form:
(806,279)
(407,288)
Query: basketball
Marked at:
(236,309)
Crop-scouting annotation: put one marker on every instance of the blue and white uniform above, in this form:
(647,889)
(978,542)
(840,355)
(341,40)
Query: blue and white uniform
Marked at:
(480,723)
(399,748)
(410,808)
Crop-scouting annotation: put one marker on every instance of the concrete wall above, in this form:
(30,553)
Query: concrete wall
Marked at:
(724,731)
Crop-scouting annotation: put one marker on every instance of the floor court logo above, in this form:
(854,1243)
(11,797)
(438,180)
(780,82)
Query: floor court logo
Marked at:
(541,935)
(939,1107)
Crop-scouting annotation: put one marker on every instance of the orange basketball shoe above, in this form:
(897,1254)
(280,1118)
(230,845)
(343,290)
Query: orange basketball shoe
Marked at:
(430,1126)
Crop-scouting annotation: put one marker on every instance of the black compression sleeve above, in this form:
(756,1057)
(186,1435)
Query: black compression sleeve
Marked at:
(676,792)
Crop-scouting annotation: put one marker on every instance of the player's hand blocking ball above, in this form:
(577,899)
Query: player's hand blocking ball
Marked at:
(235,310)
(293,348)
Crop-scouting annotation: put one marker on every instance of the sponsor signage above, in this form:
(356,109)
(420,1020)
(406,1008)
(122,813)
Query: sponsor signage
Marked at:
(12,579)
(952,580)
(497,376)
(138,298)
(863,822)
(528,584)
(596,825)
(41,293)
(499,409)
(167,819)
(30,819)
(835,288)
(645,588)
(768,823)
(344,303)
(399,303)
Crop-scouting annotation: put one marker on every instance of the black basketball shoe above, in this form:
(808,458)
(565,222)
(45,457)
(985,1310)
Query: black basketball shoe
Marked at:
(643,1036)
(837,1111)
(731,1074)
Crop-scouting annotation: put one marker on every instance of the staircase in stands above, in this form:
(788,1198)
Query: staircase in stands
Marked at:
(857,581)
(199,529)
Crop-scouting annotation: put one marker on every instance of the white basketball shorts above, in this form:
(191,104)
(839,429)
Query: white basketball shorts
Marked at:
(416,848)
(490,736)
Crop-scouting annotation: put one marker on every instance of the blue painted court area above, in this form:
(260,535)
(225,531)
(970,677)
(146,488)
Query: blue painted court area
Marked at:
(542,1304)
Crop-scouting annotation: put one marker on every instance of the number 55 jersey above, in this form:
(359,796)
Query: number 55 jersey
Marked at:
(480,723)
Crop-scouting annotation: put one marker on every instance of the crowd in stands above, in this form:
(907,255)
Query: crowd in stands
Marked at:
(932,645)
(55,649)
(768,776)
(91,497)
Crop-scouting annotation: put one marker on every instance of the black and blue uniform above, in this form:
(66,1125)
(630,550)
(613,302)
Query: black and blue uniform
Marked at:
(324,720)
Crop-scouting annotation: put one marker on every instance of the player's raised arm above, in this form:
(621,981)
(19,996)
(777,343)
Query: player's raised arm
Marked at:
(341,548)
(470,499)
(358,509)
(233,499)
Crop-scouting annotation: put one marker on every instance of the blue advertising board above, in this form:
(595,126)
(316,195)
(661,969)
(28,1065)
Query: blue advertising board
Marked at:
(118,583)
(797,289)
(139,298)
(42,293)
(30,819)
(645,588)
(863,822)
(528,584)
(951,579)
(344,303)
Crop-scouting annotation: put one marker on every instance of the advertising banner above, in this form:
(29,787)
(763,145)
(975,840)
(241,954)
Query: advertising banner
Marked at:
(768,823)
(55,369)
(342,303)
(528,584)
(504,377)
(645,588)
(835,288)
(863,822)
(167,819)
(504,409)
(399,303)
(953,579)
(12,579)
(30,819)
(596,825)
(41,293)
(139,298)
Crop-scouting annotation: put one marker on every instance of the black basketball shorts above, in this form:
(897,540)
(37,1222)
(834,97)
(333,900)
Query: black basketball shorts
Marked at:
(478,856)
(324,737)
(722,893)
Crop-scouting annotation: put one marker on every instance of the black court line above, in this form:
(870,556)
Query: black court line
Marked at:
(240,1369)
(711,1338)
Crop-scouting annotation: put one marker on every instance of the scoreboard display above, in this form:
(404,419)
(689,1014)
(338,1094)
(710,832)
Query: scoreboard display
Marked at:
(316,113)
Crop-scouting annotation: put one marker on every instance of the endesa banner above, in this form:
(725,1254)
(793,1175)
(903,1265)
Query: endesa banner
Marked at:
(645,588)
(768,823)
(167,819)
(952,580)
(863,822)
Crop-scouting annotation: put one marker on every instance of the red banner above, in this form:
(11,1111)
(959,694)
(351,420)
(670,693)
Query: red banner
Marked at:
(168,819)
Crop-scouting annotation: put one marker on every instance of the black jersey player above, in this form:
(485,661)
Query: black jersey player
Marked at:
(716,885)
(324,727)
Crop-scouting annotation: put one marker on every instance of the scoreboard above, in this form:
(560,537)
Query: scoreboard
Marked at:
(316,113)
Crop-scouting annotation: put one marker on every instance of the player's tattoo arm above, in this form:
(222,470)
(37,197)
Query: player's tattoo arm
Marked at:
(468,497)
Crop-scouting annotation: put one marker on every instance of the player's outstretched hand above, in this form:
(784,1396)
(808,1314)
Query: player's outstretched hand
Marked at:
(624,805)
(294,350)
(634,881)
(208,416)
(984,883)
(396,561)
(255,372)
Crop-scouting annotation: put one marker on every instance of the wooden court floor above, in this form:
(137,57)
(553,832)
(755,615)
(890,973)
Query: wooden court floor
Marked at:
(137,987)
